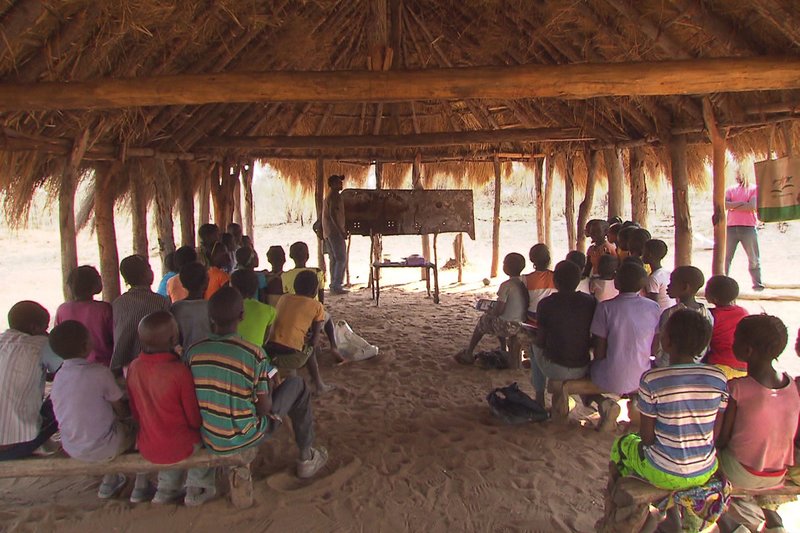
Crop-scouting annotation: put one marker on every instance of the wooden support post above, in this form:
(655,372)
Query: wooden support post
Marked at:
(249,208)
(639,210)
(720,217)
(164,224)
(538,184)
(416,183)
(66,209)
(347,262)
(237,201)
(458,246)
(498,177)
(548,200)
(319,200)
(223,185)
(616,182)
(378,246)
(204,197)
(104,198)
(186,204)
(138,180)
(680,200)
(591,157)
(569,198)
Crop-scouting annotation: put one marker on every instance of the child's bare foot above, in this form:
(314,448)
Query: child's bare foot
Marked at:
(609,412)
(324,388)
(336,355)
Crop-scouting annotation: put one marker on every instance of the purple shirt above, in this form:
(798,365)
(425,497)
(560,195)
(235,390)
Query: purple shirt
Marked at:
(96,316)
(82,394)
(628,323)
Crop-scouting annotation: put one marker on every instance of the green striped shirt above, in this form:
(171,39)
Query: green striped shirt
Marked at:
(228,373)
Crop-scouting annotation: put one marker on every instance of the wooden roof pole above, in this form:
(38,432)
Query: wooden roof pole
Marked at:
(616,182)
(66,209)
(680,200)
(571,81)
(569,197)
(138,208)
(105,175)
(319,200)
(591,157)
(639,207)
(719,217)
(498,182)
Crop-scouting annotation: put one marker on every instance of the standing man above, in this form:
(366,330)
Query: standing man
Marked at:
(740,201)
(335,233)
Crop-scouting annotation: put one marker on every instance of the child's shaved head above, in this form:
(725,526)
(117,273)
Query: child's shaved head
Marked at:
(688,332)
(158,332)
(194,277)
(722,290)
(655,250)
(136,270)
(514,264)
(298,251)
(246,282)
(690,275)
(225,308)
(28,317)
(566,276)
(540,256)
(766,336)
(70,340)
(630,277)
(306,284)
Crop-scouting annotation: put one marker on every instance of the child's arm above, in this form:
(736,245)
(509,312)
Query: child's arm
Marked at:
(723,427)
(600,347)
(647,430)
(121,409)
(189,401)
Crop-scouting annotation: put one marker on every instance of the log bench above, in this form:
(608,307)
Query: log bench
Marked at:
(238,469)
(628,499)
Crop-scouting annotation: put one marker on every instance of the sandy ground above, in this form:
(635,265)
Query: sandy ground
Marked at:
(413,445)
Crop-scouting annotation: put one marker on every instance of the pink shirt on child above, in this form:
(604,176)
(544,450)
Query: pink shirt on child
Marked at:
(741,217)
(765,425)
(97,318)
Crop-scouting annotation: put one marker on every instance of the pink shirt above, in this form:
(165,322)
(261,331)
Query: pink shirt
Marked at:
(97,318)
(741,217)
(765,424)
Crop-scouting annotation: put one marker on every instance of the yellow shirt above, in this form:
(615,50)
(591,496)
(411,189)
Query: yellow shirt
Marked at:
(295,316)
(287,279)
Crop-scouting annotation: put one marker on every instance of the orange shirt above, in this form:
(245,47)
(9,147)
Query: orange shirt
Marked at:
(540,285)
(175,289)
(217,279)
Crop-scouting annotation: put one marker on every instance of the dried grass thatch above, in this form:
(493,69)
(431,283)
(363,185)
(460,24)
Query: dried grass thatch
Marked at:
(85,39)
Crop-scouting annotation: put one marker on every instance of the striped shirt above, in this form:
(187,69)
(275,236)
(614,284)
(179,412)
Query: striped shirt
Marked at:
(24,361)
(540,285)
(228,374)
(662,357)
(684,400)
(128,310)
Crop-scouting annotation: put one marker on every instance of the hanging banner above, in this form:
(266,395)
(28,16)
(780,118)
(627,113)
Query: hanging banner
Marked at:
(778,183)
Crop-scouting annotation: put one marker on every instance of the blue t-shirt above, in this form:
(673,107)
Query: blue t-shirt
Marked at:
(162,285)
(684,400)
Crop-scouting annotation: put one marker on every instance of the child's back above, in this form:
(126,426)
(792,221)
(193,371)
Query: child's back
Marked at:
(726,318)
(513,292)
(295,314)
(684,400)
(657,284)
(602,289)
(98,319)
(540,283)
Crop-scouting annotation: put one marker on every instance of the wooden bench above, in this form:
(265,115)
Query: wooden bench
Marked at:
(628,499)
(239,476)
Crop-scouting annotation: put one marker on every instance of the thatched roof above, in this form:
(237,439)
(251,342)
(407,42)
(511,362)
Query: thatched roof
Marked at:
(78,40)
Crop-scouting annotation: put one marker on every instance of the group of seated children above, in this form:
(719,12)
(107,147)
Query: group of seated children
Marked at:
(652,342)
(202,347)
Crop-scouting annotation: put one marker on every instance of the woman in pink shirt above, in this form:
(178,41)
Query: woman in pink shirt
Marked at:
(85,282)
(756,441)
(740,202)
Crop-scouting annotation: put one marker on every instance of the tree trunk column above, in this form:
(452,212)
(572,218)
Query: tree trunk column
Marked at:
(616,182)
(106,232)
(498,178)
(249,208)
(638,188)
(548,200)
(186,204)
(591,157)
(720,215)
(416,184)
(138,180)
(569,198)
(680,200)
(538,185)
(66,210)
(319,199)
(204,198)
(164,222)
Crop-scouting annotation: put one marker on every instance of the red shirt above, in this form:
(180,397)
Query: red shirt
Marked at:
(726,318)
(163,402)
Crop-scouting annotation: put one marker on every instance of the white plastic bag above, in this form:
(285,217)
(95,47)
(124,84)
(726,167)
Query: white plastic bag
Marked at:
(350,345)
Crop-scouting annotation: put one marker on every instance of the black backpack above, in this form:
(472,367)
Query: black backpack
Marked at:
(513,406)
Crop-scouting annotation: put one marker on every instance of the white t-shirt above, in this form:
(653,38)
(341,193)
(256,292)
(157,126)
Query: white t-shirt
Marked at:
(657,283)
(603,289)
(512,292)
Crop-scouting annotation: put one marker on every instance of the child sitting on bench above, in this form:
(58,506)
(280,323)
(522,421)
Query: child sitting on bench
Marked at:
(299,315)
(757,438)
(91,413)
(504,319)
(540,282)
(623,330)
(681,406)
(164,405)
(722,291)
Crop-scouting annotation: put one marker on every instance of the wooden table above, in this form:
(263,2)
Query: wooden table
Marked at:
(431,268)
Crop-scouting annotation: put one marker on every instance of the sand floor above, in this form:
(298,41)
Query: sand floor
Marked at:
(413,445)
